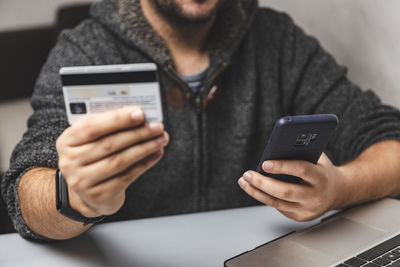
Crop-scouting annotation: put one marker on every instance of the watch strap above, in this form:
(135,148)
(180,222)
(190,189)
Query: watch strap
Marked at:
(63,206)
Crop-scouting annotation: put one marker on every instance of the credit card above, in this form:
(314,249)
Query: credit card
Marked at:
(89,90)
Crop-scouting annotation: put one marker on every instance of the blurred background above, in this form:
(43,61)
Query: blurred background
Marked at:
(363,35)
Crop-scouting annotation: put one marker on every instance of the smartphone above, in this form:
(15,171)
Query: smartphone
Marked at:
(93,89)
(298,138)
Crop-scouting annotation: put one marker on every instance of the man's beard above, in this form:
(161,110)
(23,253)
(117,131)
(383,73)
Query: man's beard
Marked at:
(174,12)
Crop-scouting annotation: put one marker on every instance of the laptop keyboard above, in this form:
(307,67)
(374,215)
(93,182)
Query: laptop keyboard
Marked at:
(384,254)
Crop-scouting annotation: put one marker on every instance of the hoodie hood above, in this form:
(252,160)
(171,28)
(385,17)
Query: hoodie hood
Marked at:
(126,20)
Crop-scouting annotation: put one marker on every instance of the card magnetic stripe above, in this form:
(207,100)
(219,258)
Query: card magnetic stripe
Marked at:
(109,78)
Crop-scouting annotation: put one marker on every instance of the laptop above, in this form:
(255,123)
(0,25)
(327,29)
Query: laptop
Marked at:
(367,236)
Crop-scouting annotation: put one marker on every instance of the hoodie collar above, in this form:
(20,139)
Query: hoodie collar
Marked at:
(125,19)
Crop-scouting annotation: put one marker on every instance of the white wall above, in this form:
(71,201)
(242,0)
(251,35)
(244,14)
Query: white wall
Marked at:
(364,35)
(13,120)
(17,14)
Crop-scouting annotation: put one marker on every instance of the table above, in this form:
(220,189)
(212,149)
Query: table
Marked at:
(200,239)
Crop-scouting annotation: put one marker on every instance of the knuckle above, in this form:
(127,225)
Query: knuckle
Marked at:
(90,129)
(107,145)
(256,181)
(143,133)
(91,133)
(116,162)
(323,179)
(302,170)
(148,147)
(139,149)
(285,193)
(117,116)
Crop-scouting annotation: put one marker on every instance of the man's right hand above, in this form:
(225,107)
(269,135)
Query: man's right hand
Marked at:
(102,155)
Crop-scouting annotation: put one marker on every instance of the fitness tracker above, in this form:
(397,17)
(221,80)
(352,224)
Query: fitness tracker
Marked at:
(62,203)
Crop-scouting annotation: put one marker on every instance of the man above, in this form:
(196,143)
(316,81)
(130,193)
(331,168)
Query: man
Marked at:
(228,70)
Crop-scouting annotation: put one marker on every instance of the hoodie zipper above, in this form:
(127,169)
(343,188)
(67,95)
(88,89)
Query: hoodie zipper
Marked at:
(208,85)
(198,104)
(210,81)
(198,101)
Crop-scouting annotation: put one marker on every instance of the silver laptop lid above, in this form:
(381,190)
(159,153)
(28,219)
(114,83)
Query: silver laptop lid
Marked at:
(334,240)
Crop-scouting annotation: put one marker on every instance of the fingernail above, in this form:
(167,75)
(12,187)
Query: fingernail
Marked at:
(155,127)
(137,115)
(162,140)
(247,176)
(267,165)
(242,182)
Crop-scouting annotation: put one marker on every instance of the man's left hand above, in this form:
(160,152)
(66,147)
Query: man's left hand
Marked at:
(321,191)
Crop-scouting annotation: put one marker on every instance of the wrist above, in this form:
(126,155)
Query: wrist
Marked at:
(63,203)
(347,194)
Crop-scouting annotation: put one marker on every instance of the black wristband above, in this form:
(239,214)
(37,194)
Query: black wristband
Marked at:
(62,203)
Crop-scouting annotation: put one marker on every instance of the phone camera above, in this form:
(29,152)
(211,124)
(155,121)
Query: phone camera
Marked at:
(303,139)
(78,108)
(314,137)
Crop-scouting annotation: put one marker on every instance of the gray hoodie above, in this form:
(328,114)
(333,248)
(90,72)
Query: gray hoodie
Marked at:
(264,67)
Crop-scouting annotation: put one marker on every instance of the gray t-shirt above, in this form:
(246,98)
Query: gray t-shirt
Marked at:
(196,81)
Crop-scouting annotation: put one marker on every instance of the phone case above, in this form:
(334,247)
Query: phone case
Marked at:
(298,138)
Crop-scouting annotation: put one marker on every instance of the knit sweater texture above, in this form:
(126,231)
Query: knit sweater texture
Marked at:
(264,66)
